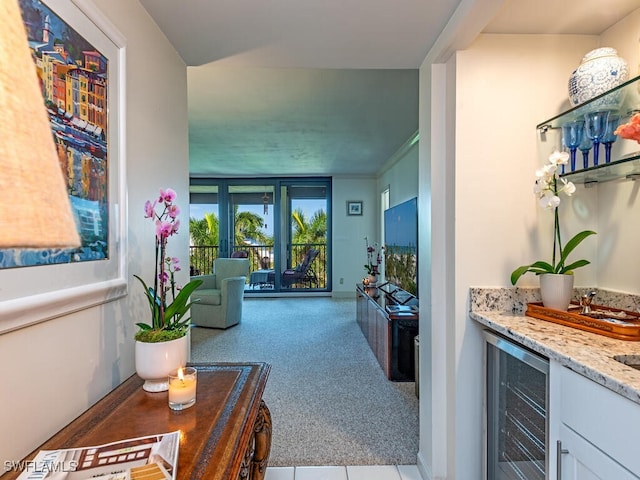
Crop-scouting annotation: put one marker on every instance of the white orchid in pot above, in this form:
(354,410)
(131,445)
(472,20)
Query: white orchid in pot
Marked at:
(166,334)
(548,188)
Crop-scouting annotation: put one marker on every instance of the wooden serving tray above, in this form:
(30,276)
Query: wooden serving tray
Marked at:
(611,322)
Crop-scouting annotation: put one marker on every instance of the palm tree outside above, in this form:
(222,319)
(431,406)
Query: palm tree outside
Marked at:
(310,233)
(250,235)
(205,232)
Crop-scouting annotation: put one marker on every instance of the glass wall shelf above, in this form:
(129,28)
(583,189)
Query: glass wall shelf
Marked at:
(624,101)
(627,167)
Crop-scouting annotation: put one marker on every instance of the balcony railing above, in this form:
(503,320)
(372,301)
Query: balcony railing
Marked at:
(261,258)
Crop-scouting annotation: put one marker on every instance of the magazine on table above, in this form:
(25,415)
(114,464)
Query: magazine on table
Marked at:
(154,457)
(402,309)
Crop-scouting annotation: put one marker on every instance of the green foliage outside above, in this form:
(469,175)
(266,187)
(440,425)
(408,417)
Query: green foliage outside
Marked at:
(205,232)
(248,231)
(311,232)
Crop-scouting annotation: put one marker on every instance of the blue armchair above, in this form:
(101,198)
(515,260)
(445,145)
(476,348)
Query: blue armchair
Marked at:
(219,298)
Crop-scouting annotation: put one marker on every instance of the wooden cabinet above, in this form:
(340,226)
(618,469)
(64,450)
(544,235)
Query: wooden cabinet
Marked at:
(226,435)
(598,430)
(390,335)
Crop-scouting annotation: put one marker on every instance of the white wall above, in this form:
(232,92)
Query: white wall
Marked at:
(349,252)
(498,224)
(401,178)
(51,372)
(618,227)
(348,248)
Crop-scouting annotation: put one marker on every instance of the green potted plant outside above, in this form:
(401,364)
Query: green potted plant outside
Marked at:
(162,344)
(547,188)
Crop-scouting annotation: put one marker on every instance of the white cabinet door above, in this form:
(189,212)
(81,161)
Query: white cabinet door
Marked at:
(583,461)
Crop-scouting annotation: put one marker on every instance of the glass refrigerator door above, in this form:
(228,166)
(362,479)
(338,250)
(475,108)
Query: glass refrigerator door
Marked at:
(517,413)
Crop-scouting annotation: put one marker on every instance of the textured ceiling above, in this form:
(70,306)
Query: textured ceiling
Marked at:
(261,121)
(290,87)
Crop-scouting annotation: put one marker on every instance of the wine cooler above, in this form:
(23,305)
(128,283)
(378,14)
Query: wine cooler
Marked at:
(517,417)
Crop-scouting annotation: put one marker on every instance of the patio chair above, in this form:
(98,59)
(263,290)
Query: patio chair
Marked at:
(219,298)
(303,272)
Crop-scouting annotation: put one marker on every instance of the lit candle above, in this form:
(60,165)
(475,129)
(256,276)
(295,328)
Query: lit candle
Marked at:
(182,388)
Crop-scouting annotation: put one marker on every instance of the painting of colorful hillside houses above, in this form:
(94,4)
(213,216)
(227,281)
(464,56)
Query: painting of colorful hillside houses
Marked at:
(73,76)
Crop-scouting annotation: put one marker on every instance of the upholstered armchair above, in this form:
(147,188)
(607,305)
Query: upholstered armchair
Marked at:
(219,298)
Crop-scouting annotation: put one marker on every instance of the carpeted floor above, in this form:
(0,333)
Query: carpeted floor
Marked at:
(330,401)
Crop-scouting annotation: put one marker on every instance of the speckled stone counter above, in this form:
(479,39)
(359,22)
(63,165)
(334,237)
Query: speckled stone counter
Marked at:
(502,310)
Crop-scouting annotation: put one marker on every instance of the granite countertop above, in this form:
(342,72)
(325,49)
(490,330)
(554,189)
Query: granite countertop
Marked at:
(589,354)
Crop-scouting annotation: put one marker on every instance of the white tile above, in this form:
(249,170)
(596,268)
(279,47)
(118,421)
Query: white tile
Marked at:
(280,473)
(321,473)
(373,472)
(409,472)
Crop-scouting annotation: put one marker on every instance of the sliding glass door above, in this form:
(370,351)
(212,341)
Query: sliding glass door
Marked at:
(281,225)
(305,234)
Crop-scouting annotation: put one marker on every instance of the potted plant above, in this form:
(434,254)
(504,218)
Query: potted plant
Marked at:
(374,259)
(162,344)
(556,278)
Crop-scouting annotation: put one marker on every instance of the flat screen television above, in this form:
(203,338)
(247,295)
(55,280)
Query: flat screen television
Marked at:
(401,245)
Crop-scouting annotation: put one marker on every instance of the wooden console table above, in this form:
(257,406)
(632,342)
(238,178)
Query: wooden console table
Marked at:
(390,335)
(226,435)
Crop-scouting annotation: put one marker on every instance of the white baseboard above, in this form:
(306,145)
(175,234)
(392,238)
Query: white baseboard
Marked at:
(423,468)
(344,294)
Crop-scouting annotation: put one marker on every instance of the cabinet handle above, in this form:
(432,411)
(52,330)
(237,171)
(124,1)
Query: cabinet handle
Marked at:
(559,452)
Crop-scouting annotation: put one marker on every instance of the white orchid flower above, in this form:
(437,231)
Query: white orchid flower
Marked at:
(547,188)
(548,200)
(568,188)
(559,158)
(550,169)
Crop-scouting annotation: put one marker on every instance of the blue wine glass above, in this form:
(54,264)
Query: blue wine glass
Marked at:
(584,147)
(609,137)
(572,133)
(595,127)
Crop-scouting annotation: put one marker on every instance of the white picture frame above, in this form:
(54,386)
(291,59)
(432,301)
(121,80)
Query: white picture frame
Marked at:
(354,207)
(39,293)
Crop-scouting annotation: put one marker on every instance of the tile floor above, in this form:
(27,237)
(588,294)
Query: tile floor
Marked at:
(369,472)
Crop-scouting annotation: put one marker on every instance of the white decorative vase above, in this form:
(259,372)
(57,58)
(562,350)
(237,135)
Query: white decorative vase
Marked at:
(154,361)
(556,290)
(600,71)
(373,279)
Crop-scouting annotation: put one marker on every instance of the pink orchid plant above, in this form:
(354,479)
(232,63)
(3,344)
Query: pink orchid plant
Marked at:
(374,258)
(167,317)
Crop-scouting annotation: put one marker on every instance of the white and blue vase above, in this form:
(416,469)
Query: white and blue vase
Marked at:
(600,71)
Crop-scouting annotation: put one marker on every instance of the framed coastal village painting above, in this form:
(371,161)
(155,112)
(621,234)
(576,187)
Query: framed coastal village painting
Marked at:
(79,58)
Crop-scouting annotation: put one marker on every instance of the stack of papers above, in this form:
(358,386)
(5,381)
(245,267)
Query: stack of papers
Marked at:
(153,458)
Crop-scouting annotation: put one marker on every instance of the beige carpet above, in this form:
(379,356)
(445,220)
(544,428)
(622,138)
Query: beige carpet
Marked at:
(330,401)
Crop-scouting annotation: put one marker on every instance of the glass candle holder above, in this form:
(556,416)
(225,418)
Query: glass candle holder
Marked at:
(182,388)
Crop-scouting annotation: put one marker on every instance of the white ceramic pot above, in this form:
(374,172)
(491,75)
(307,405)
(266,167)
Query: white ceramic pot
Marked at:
(556,290)
(373,279)
(600,71)
(154,361)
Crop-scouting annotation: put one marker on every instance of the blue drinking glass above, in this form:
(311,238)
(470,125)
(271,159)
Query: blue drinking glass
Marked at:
(595,127)
(584,147)
(609,137)
(572,133)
